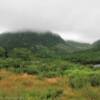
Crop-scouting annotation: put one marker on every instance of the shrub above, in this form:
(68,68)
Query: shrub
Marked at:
(50,93)
(21,53)
(79,78)
(31,70)
(90,93)
(2,52)
(82,78)
(78,82)
(95,79)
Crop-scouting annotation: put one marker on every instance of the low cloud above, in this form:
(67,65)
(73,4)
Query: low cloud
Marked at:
(73,19)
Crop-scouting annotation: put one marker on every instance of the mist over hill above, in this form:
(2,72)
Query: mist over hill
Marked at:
(49,44)
(96,44)
(36,40)
(29,39)
(87,56)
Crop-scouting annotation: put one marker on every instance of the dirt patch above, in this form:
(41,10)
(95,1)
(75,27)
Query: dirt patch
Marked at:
(52,80)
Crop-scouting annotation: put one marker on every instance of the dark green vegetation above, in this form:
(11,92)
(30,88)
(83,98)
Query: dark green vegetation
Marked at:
(39,42)
(47,55)
(90,56)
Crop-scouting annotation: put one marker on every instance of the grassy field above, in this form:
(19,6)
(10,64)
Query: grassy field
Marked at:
(31,87)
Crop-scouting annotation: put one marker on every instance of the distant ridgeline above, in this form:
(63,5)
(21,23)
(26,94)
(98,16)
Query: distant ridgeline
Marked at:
(89,56)
(29,39)
(96,45)
(50,44)
(39,41)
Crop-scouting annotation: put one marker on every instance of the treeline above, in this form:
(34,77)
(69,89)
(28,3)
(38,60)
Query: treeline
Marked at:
(17,57)
(91,56)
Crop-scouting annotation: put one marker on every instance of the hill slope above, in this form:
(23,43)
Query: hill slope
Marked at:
(29,39)
(78,46)
(40,41)
(89,56)
(96,45)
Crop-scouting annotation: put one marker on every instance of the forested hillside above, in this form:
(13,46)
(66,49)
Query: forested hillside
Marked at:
(29,39)
(96,45)
(39,41)
(89,56)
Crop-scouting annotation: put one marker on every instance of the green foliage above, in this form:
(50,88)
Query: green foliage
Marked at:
(85,57)
(46,68)
(48,55)
(15,63)
(28,39)
(21,53)
(96,45)
(2,52)
(78,78)
(95,79)
(83,78)
(51,93)
(91,93)
(43,44)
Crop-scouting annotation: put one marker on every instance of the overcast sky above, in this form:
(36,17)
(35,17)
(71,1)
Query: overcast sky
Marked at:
(77,20)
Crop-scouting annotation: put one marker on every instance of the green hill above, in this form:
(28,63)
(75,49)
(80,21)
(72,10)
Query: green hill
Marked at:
(96,45)
(38,41)
(87,56)
(78,46)
(29,39)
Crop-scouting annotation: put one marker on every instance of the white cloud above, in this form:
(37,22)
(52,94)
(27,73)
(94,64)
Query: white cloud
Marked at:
(74,19)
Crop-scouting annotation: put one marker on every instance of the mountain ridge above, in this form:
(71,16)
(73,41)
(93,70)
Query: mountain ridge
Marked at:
(33,40)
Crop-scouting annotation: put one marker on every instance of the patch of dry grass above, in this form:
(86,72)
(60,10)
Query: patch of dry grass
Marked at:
(21,84)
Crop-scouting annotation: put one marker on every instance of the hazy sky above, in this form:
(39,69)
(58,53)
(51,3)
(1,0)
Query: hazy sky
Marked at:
(73,19)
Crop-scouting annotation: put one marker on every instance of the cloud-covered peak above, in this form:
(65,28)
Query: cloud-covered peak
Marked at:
(73,19)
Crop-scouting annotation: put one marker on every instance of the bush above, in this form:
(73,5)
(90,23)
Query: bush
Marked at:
(15,64)
(95,79)
(78,82)
(91,93)
(52,93)
(83,78)
(2,52)
(21,53)
(31,70)
(49,94)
